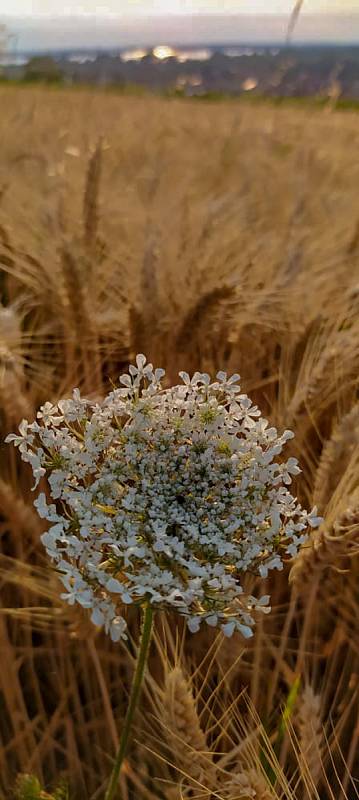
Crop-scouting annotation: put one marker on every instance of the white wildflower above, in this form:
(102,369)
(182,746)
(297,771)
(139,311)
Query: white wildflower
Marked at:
(165,497)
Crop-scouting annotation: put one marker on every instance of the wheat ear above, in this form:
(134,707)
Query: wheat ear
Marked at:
(327,549)
(335,456)
(310,735)
(20,515)
(181,718)
(201,312)
(91,197)
(247,785)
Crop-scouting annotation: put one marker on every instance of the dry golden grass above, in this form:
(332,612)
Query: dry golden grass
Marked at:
(207,236)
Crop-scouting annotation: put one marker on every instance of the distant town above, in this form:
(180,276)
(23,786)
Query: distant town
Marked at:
(273,70)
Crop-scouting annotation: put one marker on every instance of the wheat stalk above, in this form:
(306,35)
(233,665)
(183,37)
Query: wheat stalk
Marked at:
(294,19)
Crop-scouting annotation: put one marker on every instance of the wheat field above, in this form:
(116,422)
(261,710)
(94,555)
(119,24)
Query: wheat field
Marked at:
(208,236)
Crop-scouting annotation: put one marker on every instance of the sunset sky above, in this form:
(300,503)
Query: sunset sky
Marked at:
(44,24)
(140,7)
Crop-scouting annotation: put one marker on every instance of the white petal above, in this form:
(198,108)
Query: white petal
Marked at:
(229,628)
(113,585)
(126,380)
(159,373)
(193,624)
(97,617)
(263,601)
(117,629)
(141,360)
(185,377)
(212,620)
(245,630)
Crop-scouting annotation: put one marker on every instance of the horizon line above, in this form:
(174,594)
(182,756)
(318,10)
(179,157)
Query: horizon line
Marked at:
(210,44)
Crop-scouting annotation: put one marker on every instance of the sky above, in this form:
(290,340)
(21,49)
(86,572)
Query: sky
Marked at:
(144,7)
(45,24)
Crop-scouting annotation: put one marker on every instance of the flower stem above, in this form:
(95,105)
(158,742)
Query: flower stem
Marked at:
(141,662)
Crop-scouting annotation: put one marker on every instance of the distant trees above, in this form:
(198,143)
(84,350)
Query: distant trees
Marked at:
(42,68)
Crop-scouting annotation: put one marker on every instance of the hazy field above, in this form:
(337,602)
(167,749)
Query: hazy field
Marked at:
(208,236)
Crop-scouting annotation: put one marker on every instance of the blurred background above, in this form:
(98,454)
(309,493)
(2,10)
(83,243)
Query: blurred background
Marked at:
(277,49)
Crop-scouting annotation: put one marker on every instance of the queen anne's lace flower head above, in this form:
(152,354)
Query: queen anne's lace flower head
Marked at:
(164,497)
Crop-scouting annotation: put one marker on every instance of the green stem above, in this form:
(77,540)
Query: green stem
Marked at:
(141,662)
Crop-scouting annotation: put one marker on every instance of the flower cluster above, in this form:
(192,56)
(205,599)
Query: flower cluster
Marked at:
(165,497)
